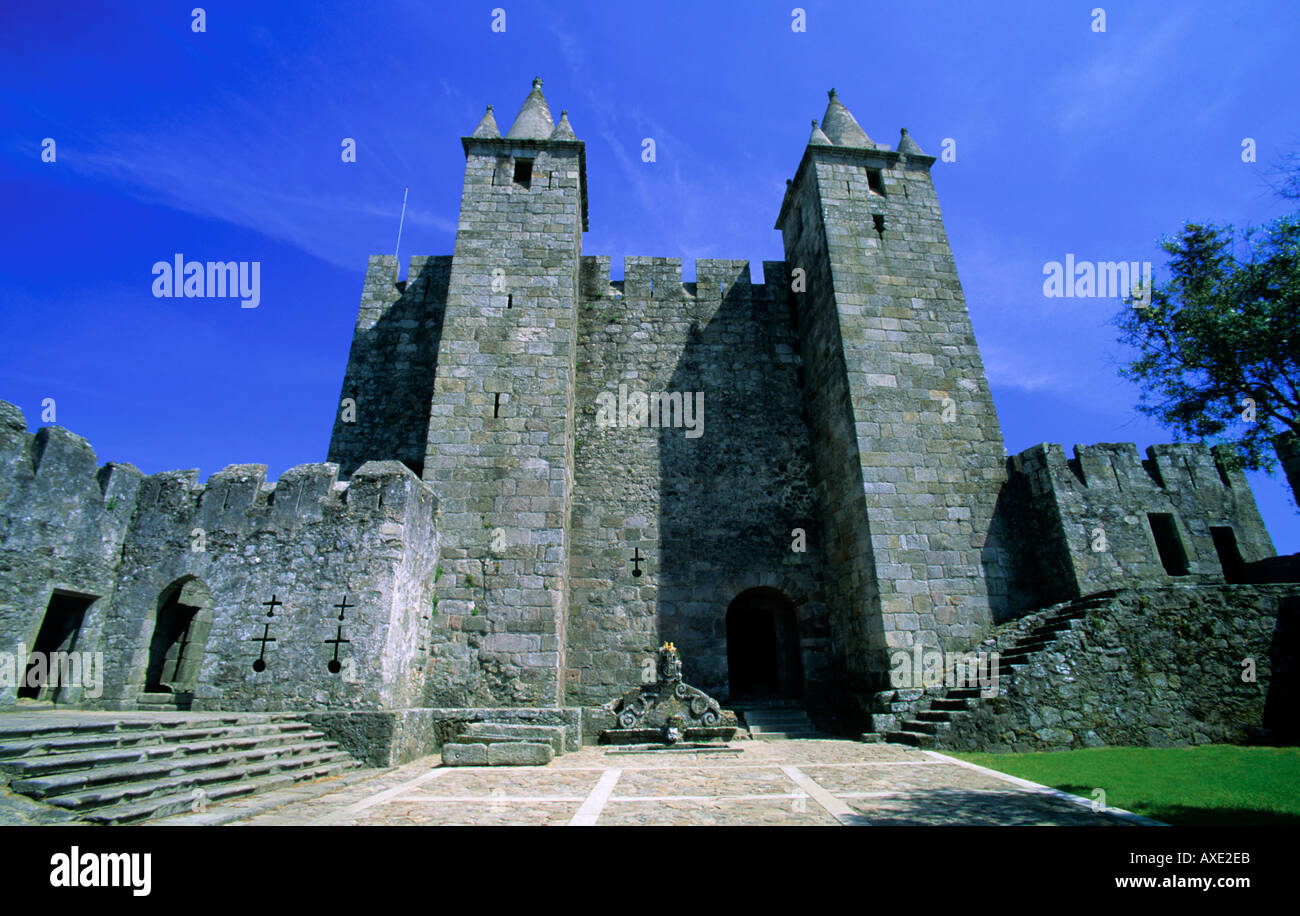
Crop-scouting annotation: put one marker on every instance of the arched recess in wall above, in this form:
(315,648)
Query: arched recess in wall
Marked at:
(180,633)
(764,658)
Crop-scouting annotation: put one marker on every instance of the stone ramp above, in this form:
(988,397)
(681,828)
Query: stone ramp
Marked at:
(117,768)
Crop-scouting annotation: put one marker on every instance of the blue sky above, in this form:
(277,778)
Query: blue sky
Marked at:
(225,145)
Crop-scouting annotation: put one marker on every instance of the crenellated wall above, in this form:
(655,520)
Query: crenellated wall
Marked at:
(224,548)
(1090,517)
(391,365)
(63,521)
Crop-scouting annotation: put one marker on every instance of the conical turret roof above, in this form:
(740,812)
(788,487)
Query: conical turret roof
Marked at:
(487,128)
(563,130)
(839,125)
(818,138)
(534,119)
(907,145)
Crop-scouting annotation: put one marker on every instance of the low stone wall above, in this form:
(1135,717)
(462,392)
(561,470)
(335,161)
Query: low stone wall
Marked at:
(1155,667)
(390,737)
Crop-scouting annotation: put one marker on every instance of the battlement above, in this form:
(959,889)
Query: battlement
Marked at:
(305,492)
(64,463)
(382,289)
(1107,518)
(661,278)
(1116,466)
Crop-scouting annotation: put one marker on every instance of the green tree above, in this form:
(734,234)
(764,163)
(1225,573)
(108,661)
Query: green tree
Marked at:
(1219,345)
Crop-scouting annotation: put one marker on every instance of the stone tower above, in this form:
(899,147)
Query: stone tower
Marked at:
(499,445)
(906,441)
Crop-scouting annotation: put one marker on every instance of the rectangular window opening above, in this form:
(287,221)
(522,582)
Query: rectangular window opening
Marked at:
(496,407)
(1168,544)
(524,173)
(1225,544)
(876,181)
(510,300)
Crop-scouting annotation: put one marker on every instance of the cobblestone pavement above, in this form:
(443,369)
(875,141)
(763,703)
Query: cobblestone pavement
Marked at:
(749,783)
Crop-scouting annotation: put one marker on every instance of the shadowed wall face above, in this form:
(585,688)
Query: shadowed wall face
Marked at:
(383,410)
(703,510)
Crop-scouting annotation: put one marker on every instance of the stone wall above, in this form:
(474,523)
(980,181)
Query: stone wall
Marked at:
(1090,517)
(226,548)
(63,521)
(702,514)
(306,543)
(391,365)
(1157,667)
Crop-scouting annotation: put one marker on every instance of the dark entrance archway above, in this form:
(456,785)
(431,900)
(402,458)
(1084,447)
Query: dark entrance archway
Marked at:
(763,659)
(58,634)
(179,635)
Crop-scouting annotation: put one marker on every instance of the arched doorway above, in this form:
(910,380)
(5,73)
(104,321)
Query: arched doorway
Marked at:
(179,635)
(763,658)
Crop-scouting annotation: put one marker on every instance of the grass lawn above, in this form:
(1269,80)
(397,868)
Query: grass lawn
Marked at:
(1210,785)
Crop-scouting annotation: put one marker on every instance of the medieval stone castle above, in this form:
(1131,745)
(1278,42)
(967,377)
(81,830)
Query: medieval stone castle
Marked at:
(537,475)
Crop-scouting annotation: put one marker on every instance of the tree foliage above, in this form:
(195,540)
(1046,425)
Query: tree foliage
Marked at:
(1219,345)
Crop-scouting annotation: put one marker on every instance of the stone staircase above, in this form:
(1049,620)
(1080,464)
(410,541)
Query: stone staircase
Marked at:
(776,720)
(164,702)
(1017,645)
(128,767)
(504,744)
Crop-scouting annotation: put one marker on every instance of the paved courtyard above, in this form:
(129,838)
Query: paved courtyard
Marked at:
(826,782)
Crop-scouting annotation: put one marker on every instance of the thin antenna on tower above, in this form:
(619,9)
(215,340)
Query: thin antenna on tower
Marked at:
(399,232)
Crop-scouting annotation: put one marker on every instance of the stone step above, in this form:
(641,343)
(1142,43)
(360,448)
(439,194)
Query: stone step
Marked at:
(78,742)
(60,783)
(1016,656)
(1019,655)
(507,753)
(786,722)
(184,802)
(938,715)
(19,726)
(209,781)
(950,704)
(176,702)
(777,718)
(915,739)
(171,750)
(492,732)
(963,693)
(925,728)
